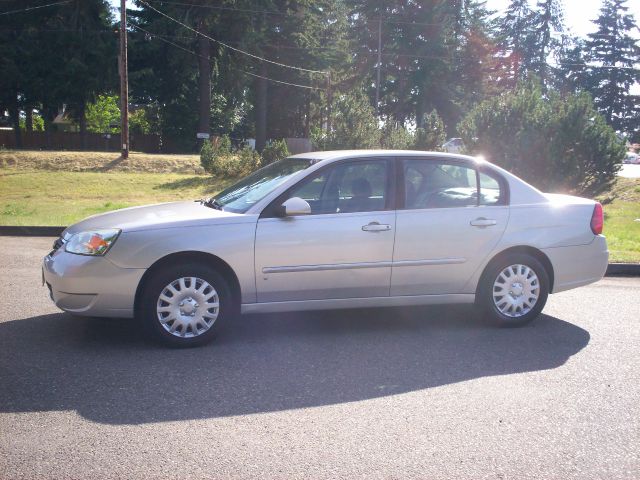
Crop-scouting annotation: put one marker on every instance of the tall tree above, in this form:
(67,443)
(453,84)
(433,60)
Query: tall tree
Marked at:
(547,19)
(615,55)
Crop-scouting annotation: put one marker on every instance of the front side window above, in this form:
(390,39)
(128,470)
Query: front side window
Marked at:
(241,196)
(346,188)
(433,184)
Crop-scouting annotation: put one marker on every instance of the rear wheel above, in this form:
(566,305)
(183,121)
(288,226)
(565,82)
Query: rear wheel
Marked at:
(514,290)
(184,306)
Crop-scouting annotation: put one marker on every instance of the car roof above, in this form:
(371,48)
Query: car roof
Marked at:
(340,154)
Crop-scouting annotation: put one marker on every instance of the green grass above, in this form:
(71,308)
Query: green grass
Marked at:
(62,198)
(621,209)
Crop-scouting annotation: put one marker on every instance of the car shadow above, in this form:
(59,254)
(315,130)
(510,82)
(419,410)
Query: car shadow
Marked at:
(108,372)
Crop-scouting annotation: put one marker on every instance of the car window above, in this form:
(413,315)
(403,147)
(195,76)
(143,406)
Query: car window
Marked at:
(433,184)
(490,191)
(345,188)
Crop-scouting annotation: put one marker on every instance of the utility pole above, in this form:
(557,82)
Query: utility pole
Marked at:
(379,63)
(124,82)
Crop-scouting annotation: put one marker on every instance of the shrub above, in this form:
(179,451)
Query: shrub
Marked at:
(207,156)
(354,125)
(554,142)
(396,137)
(218,164)
(431,135)
(274,151)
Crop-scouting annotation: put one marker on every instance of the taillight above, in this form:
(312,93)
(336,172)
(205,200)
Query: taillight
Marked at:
(597,219)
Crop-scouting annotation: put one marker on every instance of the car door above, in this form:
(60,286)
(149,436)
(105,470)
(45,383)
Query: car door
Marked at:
(451,219)
(343,249)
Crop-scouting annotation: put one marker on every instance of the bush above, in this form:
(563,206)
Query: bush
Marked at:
(221,164)
(431,135)
(354,125)
(555,143)
(396,137)
(274,151)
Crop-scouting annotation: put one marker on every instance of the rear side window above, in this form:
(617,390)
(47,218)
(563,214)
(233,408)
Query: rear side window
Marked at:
(491,190)
(433,184)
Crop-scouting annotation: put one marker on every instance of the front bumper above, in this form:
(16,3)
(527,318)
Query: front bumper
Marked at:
(90,285)
(578,265)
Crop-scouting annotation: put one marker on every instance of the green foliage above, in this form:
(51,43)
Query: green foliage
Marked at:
(224,164)
(431,135)
(354,125)
(555,143)
(103,116)
(274,150)
(207,157)
(138,122)
(396,137)
(38,123)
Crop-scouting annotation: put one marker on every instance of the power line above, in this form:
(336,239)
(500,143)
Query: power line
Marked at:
(34,8)
(229,46)
(238,69)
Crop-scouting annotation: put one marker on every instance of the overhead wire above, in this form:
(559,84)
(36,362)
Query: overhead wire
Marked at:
(28,9)
(262,59)
(237,69)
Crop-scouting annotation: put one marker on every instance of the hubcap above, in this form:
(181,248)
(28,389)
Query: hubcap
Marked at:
(188,307)
(516,290)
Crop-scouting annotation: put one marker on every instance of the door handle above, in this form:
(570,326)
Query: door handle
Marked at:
(483,222)
(376,227)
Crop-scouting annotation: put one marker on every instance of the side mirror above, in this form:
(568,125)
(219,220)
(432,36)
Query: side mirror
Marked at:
(296,206)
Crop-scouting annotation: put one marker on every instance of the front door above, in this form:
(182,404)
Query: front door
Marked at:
(343,249)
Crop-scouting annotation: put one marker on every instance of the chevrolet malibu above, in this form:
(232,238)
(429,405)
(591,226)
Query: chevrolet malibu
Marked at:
(332,230)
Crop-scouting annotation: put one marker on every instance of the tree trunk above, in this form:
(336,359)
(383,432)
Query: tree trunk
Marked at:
(204,85)
(14,111)
(29,118)
(261,109)
(83,125)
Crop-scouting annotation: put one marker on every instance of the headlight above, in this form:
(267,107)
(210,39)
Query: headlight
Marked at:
(96,242)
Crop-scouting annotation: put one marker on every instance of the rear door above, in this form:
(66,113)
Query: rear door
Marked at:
(450,219)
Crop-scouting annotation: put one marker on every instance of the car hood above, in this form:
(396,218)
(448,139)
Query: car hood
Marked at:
(162,215)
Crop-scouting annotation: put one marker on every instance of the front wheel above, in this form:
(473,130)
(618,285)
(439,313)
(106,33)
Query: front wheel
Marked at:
(183,306)
(514,290)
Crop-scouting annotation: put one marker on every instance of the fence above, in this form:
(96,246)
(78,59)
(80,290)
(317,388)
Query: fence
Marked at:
(92,142)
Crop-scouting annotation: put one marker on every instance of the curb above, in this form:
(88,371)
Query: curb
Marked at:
(623,270)
(27,231)
(613,270)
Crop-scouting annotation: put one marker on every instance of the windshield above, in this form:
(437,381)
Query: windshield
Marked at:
(241,196)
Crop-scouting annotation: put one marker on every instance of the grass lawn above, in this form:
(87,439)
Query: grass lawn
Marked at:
(37,188)
(621,210)
(61,198)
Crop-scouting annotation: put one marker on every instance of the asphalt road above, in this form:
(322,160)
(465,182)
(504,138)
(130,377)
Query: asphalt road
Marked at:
(393,393)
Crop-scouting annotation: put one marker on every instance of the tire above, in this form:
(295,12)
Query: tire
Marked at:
(525,291)
(174,304)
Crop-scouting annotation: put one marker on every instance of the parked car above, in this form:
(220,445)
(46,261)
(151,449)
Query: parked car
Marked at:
(632,158)
(332,230)
(453,145)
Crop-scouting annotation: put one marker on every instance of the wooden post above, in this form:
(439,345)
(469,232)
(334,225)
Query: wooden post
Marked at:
(124,83)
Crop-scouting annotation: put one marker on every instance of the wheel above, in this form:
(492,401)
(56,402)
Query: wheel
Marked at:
(184,306)
(513,290)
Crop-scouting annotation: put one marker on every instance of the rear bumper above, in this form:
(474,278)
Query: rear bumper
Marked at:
(92,286)
(578,265)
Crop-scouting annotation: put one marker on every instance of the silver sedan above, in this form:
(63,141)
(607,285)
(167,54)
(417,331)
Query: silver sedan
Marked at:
(332,230)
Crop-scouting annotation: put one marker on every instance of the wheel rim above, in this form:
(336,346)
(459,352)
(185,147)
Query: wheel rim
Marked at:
(516,290)
(188,307)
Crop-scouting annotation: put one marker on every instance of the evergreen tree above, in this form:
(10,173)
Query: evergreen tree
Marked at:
(517,36)
(546,20)
(615,55)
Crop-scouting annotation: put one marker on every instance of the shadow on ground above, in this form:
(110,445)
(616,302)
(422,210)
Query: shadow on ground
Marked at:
(212,185)
(109,373)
